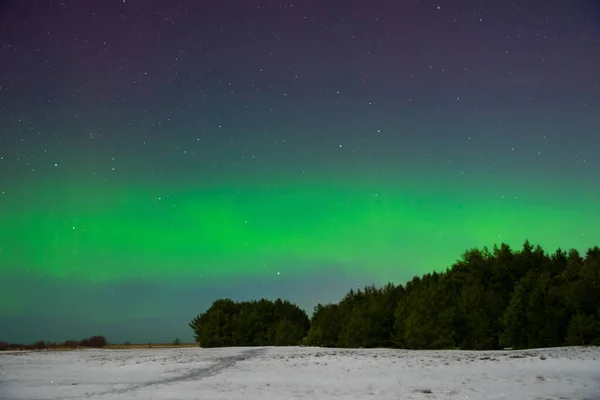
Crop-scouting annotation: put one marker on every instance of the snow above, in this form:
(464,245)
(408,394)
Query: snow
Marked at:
(300,373)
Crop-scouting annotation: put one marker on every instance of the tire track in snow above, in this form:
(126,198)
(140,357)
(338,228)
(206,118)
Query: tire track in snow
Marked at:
(220,364)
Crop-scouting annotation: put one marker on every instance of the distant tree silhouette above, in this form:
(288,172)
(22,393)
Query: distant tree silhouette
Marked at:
(97,341)
(73,344)
(39,345)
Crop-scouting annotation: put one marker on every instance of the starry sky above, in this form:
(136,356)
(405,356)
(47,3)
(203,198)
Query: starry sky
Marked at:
(156,155)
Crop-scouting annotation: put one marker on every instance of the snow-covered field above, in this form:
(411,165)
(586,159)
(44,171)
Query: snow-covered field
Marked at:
(300,373)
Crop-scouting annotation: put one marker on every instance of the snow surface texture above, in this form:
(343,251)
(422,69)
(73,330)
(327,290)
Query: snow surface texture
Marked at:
(300,373)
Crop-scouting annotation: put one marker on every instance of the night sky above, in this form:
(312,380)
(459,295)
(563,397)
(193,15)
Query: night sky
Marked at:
(157,154)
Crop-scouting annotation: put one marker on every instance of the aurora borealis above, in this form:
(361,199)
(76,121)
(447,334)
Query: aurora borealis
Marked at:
(157,155)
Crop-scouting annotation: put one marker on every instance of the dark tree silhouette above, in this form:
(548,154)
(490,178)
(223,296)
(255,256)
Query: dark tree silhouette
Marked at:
(485,300)
(94,341)
(254,323)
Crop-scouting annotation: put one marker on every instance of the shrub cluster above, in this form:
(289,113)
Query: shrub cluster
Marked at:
(251,323)
(94,341)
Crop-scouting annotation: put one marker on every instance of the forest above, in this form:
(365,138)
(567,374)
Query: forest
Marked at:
(488,299)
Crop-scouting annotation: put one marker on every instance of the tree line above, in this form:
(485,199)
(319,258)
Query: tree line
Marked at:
(488,299)
(97,341)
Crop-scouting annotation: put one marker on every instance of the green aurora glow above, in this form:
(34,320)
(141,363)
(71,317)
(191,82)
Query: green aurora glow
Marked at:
(224,229)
